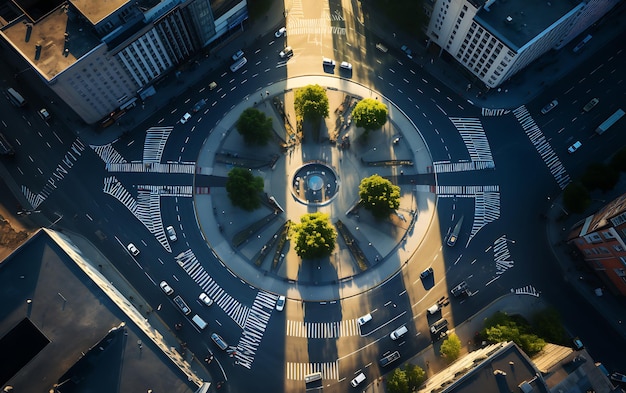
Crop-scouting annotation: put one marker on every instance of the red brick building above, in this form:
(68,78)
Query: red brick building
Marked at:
(601,238)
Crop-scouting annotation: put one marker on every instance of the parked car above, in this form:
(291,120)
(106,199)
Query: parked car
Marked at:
(280,303)
(185,118)
(238,55)
(204,298)
(280,32)
(426,273)
(171,233)
(364,319)
(132,249)
(433,309)
(166,288)
(326,62)
(574,147)
(346,66)
(549,107)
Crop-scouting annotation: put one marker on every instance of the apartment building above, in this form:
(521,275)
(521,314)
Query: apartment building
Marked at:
(495,39)
(601,238)
(100,57)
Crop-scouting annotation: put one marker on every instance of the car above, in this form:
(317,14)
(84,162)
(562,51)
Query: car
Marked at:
(549,107)
(238,55)
(574,147)
(199,105)
(328,62)
(212,85)
(438,326)
(364,319)
(399,332)
(286,53)
(407,51)
(451,240)
(346,66)
(166,288)
(281,32)
(426,273)
(182,305)
(204,298)
(185,118)
(433,309)
(357,380)
(577,343)
(44,114)
(219,341)
(171,233)
(591,104)
(132,249)
(280,303)
(387,360)
(460,290)
(618,377)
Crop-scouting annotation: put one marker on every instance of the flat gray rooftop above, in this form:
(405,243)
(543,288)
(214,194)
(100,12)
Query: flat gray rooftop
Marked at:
(528,18)
(69,314)
(95,11)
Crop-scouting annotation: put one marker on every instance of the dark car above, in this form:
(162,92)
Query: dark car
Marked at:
(426,273)
(387,360)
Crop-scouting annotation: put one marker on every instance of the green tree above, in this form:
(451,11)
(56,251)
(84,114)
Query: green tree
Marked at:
(370,114)
(314,236)
(254,126)
(531,344)
(619,160)
(415,376)
(547,324)
(311,103)
(600,176)
(379,196)
(243,188)
(451,347)
(397,382)
(576,197)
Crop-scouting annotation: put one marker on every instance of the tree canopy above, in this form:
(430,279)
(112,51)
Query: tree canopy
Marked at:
(379,195)
(243,188)
(576,197)
(397,381)
(502,327)
(254,126)
(311,102)
(601,176)
(370,114)
(451,347)
(314,236)
(415,376)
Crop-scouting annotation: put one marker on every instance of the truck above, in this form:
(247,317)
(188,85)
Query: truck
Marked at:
(614,118)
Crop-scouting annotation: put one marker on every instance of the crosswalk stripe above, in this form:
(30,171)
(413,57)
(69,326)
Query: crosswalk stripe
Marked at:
(336,329)
(297,371)
(473,135)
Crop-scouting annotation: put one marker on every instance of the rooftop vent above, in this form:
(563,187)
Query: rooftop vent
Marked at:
(525,387)
(499,372)
(509,19)
(37,51)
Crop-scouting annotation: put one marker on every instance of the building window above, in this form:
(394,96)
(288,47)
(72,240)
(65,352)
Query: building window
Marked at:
(618,248)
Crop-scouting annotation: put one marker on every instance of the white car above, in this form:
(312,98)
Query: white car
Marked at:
(132,249)
(171,233)
(166,288)
(286,53)
(204,298)
(346,66)
(364,319)
(238,55)
(328,62)
(281,32)
(433,309)
(185,118)
(280,303)
(357,380)
(549,107)
(574,147)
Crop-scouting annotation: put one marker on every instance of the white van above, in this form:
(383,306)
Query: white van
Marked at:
(399,332)
(357,380)
(238,64)
(199,321)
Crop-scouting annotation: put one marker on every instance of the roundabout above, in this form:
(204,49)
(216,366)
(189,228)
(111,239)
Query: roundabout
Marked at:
(320,172)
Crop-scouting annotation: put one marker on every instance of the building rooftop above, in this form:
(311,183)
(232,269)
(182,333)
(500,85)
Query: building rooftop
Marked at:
(516,22)
(96,11)
(54,42)
(57,323)
(600,219)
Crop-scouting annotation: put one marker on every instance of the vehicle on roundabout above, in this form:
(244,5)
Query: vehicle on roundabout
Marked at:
(166,288)
(549,107)
(286,53)
(357,380)
(171,233)
(185,118)
(575,146)
(280,303)
(364,319)
(281,32)
(205,299)
(454,235)
(134,251)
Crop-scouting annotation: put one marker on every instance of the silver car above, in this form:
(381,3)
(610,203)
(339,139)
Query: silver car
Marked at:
(171,233)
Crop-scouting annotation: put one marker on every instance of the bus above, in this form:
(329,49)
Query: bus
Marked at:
(238,64)
(15,97)
(609,122)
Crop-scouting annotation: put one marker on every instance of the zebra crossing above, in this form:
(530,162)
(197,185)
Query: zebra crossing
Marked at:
(486,210)
(501,255)
(152,167)
(446,167)
(297,371)
(173,191)
(473,135)
(156,138)
(314,27)
(494,112)
(527,290)
(337,329)
(108,154)
(254,328)
(465,190)
(231,307)
(542,146)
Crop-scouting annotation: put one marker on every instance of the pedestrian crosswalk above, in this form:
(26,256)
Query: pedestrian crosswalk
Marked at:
(297,371)
(156,138)
(501,255)
(445,167)
(472,133)
(494,112)
(108,154)
(465,190)
(527,290)
(173,191)
(152,167)
(486,210)
(254,328)
(231,306)
(542,146)
(34,199)
(336,329)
